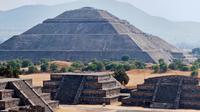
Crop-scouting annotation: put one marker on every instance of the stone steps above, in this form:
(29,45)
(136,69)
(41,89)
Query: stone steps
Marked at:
(33,97)
(14,108)
(6,93)
(53,104)
(38,89)
(9,103)
(98,100)
(146,87)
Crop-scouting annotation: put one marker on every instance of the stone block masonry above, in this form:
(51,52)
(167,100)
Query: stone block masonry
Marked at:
(170,92)
(87,34)
(19,95)
(83,88)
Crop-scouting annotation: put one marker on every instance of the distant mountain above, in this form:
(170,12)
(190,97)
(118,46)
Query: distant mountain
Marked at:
(20,19)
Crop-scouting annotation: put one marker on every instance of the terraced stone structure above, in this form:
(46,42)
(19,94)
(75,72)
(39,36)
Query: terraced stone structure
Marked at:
(171,92)
(17,95)
(86,34)
(83,88)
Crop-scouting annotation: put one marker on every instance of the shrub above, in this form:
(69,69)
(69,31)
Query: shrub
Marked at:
(64,69)
(121,76)
(127,67)
(140,65)
(185,68)
(172,66)
(44,67)
(14,64)
(9,71)
(95,66)
(194,73)
(155,68)
(194,67)
(111,66)
(32,69)
(77,65)
(125,58)
(162,66)
(71,69)
(26,63)
(54,68)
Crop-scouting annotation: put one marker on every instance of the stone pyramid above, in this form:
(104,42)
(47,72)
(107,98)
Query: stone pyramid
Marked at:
(86,34)
(166,92)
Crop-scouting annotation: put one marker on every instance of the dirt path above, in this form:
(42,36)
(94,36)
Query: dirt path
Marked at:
(113,108)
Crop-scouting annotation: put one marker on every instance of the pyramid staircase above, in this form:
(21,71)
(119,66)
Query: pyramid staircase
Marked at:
(16,94)
(83,88)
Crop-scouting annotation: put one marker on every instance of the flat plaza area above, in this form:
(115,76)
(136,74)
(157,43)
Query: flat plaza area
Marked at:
(113,108)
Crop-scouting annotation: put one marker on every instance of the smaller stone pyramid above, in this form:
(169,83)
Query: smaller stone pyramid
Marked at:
(83,88)
(169,92)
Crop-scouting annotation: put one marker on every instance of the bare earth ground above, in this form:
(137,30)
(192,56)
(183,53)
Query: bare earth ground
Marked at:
(136,77)
(61,64)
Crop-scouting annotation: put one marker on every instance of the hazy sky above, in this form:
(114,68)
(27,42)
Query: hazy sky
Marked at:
(178,10)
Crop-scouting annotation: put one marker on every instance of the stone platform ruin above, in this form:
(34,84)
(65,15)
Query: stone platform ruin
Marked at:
(83,88)
(169,92)
(18,94)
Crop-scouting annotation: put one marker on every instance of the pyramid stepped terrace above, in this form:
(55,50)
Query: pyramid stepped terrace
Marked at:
(83,88)
(170,92)
(86,34)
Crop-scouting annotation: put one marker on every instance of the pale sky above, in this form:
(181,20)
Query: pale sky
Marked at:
(177,10)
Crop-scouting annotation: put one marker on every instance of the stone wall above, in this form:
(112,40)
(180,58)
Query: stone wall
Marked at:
(73,55)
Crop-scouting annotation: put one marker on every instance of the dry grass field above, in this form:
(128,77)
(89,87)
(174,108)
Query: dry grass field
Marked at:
(61,64)
(136,77)
(37,78)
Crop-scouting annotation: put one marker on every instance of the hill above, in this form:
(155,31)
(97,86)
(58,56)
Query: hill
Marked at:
(179,33)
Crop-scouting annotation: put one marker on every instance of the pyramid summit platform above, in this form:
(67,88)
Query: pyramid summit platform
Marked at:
(86,34)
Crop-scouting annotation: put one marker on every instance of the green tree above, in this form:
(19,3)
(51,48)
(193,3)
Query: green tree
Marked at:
(71,69)
(32,69)
(184,68)
(14,64)
(44,67)
(155,68)
(121,76)
(26,63)
(111,66)
(194,73)
(54,68)
(77,65)
(176,65)
(125,58)
(163,66)
(194,68)
(95,66)
(64,69)
(140,65)
(127,67)
(9,71)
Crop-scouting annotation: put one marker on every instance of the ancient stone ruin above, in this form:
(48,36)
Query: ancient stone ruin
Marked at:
(170,92)
(17,95)
(86,34)
(83,88)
